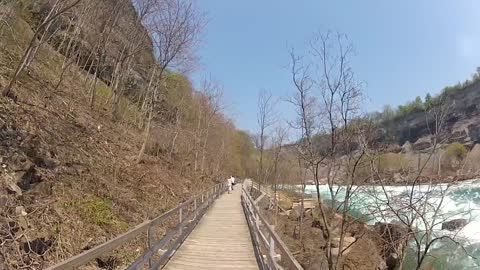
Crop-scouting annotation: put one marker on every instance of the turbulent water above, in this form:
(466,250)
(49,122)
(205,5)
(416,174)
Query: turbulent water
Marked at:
(437,203)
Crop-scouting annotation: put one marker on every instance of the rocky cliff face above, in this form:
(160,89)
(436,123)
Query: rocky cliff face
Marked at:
(104,33)
(462,123)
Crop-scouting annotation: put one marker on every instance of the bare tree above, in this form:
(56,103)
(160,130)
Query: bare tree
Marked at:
(108,26)
(125,60)
(305,106)
(279,139)
(213,93)
(328,138)
(174,28)
(265,120)
(71,51)
(209,102)
(38,37)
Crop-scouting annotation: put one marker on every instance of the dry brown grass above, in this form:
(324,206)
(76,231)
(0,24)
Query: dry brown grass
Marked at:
(93,190)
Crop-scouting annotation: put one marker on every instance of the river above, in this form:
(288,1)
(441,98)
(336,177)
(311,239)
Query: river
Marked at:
(450,201)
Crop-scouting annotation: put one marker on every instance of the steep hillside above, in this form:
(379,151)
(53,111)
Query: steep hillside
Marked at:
(461,124)
(69,179)
(102,32)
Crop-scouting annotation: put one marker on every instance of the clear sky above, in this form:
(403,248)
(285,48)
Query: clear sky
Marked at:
(403,48)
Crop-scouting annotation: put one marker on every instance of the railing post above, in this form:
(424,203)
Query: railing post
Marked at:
(180,219)
(272,244)
(195,208)
(150,242)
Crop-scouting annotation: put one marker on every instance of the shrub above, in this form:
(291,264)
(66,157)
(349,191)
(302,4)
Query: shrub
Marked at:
(391,162)
(456,151)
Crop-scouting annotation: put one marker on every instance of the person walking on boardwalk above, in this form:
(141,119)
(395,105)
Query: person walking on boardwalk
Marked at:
(229,184)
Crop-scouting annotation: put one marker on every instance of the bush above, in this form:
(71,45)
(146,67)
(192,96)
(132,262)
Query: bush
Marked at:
(285,203)
(392,162)
(456,151)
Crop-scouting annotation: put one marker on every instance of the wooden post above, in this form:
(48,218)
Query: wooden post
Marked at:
(150,235)
(272,245)
(195,207)
(180,213)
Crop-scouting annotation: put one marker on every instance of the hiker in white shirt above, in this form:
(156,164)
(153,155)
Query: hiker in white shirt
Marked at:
(230,184)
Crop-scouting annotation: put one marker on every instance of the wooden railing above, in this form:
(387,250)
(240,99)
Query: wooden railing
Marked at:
(160,250)
(272,253)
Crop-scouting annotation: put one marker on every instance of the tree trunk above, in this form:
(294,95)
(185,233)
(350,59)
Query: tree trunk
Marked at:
(202,165)
(146,135)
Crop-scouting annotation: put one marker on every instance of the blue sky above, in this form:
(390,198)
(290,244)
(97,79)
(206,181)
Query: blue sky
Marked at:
(403,48)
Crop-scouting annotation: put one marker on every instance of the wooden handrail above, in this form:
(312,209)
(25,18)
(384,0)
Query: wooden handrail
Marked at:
(269,240)
(85,257)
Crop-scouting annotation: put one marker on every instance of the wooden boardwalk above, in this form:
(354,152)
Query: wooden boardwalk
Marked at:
(221,240)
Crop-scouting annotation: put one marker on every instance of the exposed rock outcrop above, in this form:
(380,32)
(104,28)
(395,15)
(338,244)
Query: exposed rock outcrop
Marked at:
(97,23)
(462,123)
(454,224)
(394,236)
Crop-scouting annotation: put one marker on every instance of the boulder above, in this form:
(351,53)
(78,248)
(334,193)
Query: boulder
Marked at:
(347,241)
(317,262)
(108,262)
(3,201)
(295,213)
(459,135)
(394,236)
(20,211)
(10,181)
(28,178)
(474,132)
(454,224)
(391,261)
(336,251)
(390,230)
(397,178)
(44,188)
(422,144)
(286,204)
(407,147)
(39,246)
(20,162)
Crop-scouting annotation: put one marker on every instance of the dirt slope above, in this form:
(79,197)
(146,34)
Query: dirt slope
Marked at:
(68,180)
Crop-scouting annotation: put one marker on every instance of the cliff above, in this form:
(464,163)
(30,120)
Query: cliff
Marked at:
(103,32)
(461,123)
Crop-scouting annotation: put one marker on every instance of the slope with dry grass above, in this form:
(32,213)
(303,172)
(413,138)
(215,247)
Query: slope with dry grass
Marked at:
(68,179)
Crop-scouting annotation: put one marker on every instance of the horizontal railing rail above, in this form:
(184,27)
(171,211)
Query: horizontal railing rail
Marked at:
(273,253)
(189,214)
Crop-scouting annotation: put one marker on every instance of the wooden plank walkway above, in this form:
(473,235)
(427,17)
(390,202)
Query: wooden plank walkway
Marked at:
(221,240)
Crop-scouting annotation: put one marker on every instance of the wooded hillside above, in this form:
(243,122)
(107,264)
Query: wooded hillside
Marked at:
(99,127)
